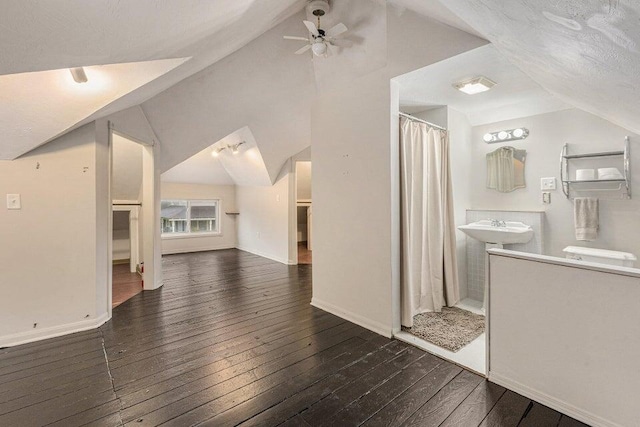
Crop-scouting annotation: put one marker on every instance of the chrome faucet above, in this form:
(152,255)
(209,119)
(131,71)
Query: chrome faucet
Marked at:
(497,223)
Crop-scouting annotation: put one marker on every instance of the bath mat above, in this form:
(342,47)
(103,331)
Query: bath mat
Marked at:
(451,329)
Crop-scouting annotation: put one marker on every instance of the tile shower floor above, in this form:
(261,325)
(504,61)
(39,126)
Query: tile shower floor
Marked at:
(472,356)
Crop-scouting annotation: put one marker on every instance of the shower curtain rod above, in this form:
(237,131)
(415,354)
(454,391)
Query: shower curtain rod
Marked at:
(410,117)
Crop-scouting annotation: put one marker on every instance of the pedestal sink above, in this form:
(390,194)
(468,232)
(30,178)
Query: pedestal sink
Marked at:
(495,234)
(498,232)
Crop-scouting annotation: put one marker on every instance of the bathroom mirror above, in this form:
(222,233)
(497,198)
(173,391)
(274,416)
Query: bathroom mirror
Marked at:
(505,169)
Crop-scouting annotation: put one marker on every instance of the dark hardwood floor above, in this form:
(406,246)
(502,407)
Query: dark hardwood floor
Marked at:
(125,284)
(232,340)
(304,254)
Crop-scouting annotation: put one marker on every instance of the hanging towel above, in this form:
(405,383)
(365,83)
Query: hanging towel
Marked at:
(585,213)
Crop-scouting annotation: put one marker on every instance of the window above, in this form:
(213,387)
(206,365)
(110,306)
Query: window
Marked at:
(189,217)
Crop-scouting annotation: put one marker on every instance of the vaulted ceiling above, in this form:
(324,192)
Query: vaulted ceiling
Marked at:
(584,52)
(38,36)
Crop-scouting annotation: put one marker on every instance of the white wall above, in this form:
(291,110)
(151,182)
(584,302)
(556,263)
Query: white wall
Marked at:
(548,132)
(53,278)
(264,220)
(460,140)
(227,196)
(126,173)
(303,180)
(566,336)
(356,176)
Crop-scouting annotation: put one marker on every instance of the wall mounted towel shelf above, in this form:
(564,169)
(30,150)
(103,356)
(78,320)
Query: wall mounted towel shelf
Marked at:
(624,183)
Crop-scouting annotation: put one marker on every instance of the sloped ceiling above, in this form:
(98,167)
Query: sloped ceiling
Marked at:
(244,168)
(36,107)
(263,86)
(41,36)
(585,52)
(516,94)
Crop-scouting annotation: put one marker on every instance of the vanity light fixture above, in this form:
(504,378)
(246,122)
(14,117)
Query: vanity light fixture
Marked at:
(475,85)
(78,74)
(506,135)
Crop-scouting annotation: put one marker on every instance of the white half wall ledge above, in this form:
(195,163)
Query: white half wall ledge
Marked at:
(372,325)
(53,331)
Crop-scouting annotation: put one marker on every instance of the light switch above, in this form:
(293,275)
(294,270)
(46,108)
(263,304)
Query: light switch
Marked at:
(13,201)
(548,183)
(546,198)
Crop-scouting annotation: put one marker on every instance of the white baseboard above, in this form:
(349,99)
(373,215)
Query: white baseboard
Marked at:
(552,402)
(52,332)
(201,249)
(264,255)
(372,325)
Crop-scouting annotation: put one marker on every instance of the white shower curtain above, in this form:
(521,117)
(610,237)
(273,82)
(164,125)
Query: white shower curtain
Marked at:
(429,266)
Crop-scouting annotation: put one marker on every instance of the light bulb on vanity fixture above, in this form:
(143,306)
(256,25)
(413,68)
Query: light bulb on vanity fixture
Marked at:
(78,74)
(506,135)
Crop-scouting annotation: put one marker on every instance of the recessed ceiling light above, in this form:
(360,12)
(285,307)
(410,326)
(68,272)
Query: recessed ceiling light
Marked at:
(475,85)
(78,75)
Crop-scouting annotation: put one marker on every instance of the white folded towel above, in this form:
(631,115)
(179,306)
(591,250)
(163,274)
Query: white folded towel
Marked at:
(585,213)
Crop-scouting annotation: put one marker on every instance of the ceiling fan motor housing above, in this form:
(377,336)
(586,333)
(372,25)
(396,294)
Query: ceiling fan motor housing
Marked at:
(318,7)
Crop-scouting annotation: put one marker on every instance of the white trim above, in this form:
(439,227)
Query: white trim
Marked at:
(193,235)
(552,402)
(192,250)
(583,265)
(263,255)
(377,327)
(53,331)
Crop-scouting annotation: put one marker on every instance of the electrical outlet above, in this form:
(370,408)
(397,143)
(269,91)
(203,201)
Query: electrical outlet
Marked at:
(546,198)
(548,183)
(13,201)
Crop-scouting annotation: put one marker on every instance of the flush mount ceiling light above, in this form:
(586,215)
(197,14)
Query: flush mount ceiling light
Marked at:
(475,85)
(506,135)
(78,74)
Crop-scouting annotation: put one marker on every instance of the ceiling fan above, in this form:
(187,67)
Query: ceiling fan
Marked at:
(320,41)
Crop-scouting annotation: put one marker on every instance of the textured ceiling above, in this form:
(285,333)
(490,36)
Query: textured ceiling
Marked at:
(36,107)
(40,36)
(515,95)
(586,52)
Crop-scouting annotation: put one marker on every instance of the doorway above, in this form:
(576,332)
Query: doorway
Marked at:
(129,197)
(304,212)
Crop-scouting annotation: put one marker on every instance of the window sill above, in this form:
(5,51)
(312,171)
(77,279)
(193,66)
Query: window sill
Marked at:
(189,235)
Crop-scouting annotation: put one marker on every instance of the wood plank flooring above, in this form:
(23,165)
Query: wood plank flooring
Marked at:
(230,340)
(125,284)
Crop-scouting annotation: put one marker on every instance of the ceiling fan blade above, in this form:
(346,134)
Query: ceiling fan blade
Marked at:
(337,30)
(329,51)
(312,28)
(295,38)
(340,42)
(303,49)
